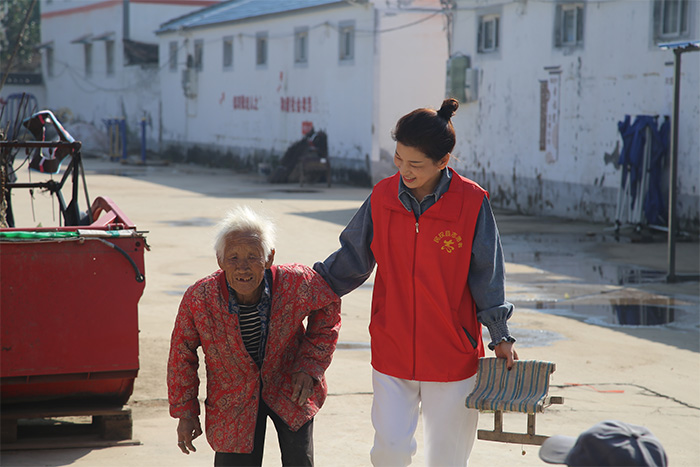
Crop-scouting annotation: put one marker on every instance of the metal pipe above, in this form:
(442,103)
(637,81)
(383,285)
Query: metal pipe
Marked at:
(143,140)
(678,48)
(40,144)
(122,134)
(673,175)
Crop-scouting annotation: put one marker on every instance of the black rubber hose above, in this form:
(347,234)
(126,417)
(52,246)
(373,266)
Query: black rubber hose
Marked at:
(139,277)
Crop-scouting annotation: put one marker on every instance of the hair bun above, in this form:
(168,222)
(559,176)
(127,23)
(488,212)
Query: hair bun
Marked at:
(448,108)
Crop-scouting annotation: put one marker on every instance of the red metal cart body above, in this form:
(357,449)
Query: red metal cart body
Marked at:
(69,309)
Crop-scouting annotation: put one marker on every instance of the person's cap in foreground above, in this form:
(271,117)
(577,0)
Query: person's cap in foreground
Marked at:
(608,443)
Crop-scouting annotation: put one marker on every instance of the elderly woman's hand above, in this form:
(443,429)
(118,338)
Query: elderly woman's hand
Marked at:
(302,387)
(187,430)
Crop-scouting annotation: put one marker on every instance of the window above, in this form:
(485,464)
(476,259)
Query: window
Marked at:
(671,19)
(87,48)
(198,54)
(109,57)
(488,33)
(261,48)
(301,45)
(228,53)
(49,61)
(568,28)
(346,32)
(172,56)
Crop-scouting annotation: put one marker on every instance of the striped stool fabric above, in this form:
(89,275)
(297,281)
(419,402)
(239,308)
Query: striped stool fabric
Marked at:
(523,389)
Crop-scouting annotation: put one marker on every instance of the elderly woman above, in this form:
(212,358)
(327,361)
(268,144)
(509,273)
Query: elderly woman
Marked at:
(260,360)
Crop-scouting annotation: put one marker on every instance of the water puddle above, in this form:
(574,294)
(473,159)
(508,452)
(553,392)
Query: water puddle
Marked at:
(587,269)
(627,314)
(629,275)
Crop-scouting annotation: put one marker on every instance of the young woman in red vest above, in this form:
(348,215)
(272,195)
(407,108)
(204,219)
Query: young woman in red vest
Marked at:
(440,276)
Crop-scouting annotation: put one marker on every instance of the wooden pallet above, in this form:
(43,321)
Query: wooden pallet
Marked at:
(43,426)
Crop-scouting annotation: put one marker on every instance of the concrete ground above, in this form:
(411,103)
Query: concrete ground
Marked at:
(567,279)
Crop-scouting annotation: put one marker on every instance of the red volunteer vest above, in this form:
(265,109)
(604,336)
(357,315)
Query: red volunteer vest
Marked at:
(423,314)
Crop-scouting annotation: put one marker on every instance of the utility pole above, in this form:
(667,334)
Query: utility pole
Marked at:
(678,49)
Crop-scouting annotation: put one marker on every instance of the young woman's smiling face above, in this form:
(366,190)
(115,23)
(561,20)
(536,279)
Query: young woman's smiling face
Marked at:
(418,172)
(244,264)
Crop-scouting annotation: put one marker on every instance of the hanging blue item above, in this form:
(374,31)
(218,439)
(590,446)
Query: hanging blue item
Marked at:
(655,203)
(633,163)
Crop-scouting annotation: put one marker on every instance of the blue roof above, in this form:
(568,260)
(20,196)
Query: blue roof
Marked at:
(236,10)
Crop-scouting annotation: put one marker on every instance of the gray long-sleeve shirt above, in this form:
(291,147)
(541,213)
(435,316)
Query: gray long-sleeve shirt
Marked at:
(350,266)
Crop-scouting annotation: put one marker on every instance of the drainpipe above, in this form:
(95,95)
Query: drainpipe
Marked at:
(125,20)
(143,140)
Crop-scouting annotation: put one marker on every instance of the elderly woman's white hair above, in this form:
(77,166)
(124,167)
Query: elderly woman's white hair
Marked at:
(244,219)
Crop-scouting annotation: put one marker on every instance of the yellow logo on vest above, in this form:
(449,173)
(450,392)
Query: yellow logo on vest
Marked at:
(449,240)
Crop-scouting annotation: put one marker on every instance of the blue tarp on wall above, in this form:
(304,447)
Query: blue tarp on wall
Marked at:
(632,162)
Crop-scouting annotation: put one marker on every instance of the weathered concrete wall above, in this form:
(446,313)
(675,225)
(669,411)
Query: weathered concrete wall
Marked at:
(410,72)
(617,71)
(356,102)
(253,107)
(132,92)
(38,91)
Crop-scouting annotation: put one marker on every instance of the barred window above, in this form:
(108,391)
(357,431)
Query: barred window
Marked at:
(672,19)
(87,48)
(346,32)
(301,45)
(172,56)
(109,57)
(228,53)
(569,23)
(199,54)
(261,49)
(488,32)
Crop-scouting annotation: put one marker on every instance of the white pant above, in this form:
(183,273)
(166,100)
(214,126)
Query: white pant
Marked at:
(449,428)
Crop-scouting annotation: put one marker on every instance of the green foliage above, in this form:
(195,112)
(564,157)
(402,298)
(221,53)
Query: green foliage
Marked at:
(12,16)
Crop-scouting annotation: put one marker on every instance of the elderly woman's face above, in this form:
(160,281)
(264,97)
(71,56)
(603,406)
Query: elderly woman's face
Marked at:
(244,263)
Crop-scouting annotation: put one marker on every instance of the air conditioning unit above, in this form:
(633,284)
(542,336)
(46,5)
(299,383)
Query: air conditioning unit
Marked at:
(462,80)
(189,82)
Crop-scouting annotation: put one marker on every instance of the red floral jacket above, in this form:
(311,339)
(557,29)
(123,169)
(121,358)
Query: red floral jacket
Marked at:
(233,379)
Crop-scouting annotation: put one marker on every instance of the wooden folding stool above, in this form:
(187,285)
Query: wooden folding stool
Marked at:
(522,389)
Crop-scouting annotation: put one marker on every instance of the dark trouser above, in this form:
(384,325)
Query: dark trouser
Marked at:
(296,447)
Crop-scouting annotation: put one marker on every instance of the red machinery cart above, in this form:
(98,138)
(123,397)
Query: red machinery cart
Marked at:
(68,304)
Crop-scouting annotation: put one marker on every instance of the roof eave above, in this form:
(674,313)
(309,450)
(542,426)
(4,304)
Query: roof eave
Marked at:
(257,17)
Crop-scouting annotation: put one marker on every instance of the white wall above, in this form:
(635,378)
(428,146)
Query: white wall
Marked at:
(340,94)
(411,55)
(618,71)
(398,66)
(36,90)
(132,91)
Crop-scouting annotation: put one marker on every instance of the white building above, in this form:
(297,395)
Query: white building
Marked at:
(543,84)
(261,72)
(100,61)
(550,82)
